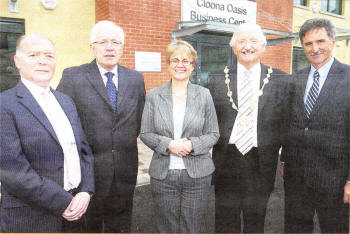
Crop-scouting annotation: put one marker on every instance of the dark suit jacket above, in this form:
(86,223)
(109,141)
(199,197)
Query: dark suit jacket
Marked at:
(31,163)
(200,126)
(113,138)
(270,122)
(318,149)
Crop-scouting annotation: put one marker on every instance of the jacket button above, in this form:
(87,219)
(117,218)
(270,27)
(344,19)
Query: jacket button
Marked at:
(306,129)
(113,151)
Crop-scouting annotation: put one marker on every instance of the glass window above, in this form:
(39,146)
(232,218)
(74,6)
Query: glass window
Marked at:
(10,31)
(300,2)
(214,53)
(332,6)
(299,59)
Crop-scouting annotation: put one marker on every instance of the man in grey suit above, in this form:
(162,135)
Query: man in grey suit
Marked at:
(316,171)
(110,100)
(46,165)
(249,99)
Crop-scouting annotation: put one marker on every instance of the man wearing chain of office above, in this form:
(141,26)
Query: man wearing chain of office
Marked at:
(249,99)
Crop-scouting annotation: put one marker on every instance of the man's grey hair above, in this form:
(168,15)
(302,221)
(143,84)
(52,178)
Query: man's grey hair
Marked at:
(317,23)
(34,36)
(109,24)
(248,26)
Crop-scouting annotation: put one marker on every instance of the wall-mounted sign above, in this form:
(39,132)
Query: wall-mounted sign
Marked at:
(148,61)
(223,11)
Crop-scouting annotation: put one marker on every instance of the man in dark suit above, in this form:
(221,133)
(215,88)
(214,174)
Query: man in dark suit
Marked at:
(45,162)
(316,171)
(248,98)
(110,100)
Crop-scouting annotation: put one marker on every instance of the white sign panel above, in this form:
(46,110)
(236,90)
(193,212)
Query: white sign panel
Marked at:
(224,11)
(148,61)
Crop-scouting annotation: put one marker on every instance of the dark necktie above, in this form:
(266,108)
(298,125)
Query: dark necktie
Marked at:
(111,91)
(312,95)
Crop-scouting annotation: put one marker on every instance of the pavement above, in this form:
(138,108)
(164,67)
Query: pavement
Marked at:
(143,212)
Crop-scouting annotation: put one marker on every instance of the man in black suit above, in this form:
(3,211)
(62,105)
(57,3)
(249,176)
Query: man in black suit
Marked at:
(46,164)
(316,171)
(110,100)
(248,98)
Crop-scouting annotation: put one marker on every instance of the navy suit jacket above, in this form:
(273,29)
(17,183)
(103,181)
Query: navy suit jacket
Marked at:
(31,163)
(113,138)
(317,149)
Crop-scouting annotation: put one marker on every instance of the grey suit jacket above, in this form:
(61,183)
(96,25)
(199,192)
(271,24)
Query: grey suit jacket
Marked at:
(200,126)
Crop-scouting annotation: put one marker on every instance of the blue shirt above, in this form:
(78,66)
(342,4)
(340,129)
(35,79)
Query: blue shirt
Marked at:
(323,71)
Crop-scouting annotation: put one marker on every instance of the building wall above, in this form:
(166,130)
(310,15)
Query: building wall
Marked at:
(68,26)
(276,15)
(341,51)
(147,25)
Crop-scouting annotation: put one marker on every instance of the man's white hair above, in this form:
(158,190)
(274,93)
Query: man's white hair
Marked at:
(245,27)
(107,24)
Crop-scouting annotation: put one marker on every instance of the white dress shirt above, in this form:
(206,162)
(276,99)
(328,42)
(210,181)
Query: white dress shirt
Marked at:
(255,73)
(63,130)
(105,78)
(177,162)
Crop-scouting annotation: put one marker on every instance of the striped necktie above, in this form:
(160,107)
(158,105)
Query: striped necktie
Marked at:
(244,138)
(312,95)
(111,91)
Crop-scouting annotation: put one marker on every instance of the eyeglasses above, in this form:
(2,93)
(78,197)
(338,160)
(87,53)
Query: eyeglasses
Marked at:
(184,62)
(108,43)
(244,42)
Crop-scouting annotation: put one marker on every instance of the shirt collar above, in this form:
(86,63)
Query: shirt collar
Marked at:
(35,89)
(104,71)
(323,71)
(254,69)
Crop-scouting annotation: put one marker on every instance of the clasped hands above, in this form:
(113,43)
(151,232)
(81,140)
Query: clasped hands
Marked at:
(180,147)
(77,207)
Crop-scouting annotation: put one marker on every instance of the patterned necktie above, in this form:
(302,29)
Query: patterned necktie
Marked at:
(111,91)
(244,138)
(312,95)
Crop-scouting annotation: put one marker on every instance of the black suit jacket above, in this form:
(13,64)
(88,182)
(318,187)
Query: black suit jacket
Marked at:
(318,149)
(270,122)
(113,138)
(31,163)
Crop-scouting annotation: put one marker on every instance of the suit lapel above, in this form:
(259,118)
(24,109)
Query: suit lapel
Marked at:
(233,86)
(301,80)
(192,107)
(331,82)
(262,99)
(67,108)
(27,99)
(94,77)
(166,107)
(123,83)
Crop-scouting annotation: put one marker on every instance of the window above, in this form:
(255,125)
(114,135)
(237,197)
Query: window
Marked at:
(214,53)
(332,6)
(299,59)
(300,2)
(10,31)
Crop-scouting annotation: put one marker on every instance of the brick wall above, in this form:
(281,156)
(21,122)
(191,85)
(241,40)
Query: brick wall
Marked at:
(276,15)
(148,25)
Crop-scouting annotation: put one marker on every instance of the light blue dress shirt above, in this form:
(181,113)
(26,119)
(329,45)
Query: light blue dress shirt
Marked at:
(323,71)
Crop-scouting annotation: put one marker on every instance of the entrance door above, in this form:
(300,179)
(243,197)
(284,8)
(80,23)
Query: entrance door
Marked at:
(214,53)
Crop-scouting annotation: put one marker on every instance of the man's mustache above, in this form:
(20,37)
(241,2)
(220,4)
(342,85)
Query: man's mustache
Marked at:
(316,53)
